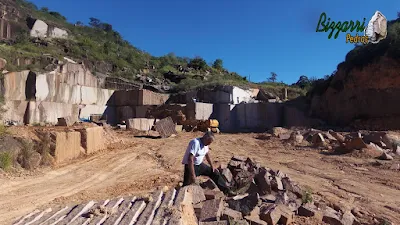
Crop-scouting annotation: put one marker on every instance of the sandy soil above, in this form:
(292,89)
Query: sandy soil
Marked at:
(140,164)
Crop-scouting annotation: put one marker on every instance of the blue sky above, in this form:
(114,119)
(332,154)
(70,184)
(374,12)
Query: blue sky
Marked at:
(253,37)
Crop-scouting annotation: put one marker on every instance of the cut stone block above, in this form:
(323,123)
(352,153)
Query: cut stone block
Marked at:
(244,205)
(183,211)
(165,127)
(58,216)
(212,210)
(197,193)
(92,139)
(270,214)
(67,145)
(215,223)
(142,124)
(26,218)
(78,211)
(110,207)
(133,214)
(160,217)
(148,214)
(263,182)
(117,216)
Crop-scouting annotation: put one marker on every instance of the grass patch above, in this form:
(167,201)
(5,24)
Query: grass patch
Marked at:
(45,150)
(3,130)
(26,154)
(6,161)
(307,196)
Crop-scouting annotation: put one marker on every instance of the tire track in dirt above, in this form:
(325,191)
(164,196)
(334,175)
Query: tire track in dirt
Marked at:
(66,181)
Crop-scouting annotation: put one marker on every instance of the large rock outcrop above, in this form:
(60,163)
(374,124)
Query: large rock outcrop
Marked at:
(369,93)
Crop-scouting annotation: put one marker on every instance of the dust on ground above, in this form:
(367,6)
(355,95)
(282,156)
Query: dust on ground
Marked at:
(138,165)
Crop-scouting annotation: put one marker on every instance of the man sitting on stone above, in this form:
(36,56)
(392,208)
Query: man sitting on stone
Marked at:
(193,161)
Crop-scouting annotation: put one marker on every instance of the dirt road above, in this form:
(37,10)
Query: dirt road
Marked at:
(141,164)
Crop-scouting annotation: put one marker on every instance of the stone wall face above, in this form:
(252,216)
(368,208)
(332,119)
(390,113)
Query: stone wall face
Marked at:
(49,112)
(56,94)
(40,29)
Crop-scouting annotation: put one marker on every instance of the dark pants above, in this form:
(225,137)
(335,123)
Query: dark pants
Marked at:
(201,170)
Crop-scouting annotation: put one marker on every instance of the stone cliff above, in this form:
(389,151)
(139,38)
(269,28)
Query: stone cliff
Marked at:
(364,91)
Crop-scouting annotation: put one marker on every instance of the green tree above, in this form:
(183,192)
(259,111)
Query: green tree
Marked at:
(44,9)
(273,77)
(218,64)
(94,22)
(58,15)
(198,63)
(303,82)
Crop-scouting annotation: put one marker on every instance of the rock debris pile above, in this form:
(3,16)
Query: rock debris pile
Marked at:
(376,144)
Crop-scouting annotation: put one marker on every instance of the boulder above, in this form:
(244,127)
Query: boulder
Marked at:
(244,205)
(39,29)
(276,131)
(356,143)
(337,136)
(211,210)
(318,140)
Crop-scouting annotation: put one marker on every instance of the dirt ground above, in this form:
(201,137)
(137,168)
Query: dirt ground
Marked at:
(137,165)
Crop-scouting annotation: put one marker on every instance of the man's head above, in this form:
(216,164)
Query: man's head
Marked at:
(208,138)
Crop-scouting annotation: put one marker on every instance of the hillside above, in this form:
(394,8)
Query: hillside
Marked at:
(104,51)
(366,87)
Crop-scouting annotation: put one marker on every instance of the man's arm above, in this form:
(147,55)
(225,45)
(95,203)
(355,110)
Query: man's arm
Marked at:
(191,169)
(209,161)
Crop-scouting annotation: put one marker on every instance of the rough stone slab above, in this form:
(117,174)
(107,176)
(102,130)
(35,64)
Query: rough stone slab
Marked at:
(331,216)
(244,205)
(148,214)
(289,185)
(38,216)
(307,210)
(58,216)
(116,217)
(133,214)
(197,193)
(231,214)
(270,214)
(49,215)
(27,217)
(165,127)
(110,206)
(212,194)
(91,214)
(209,184)
(159,217)
(224,222)
(263,182)
(212,210)
(78,211)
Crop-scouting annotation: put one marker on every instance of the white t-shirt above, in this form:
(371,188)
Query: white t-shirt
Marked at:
(197,149)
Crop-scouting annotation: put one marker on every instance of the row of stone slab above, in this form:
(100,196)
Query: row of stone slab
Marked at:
(161,208)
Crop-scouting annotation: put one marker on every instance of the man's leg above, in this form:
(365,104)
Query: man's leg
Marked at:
(186,175)
(206,170)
